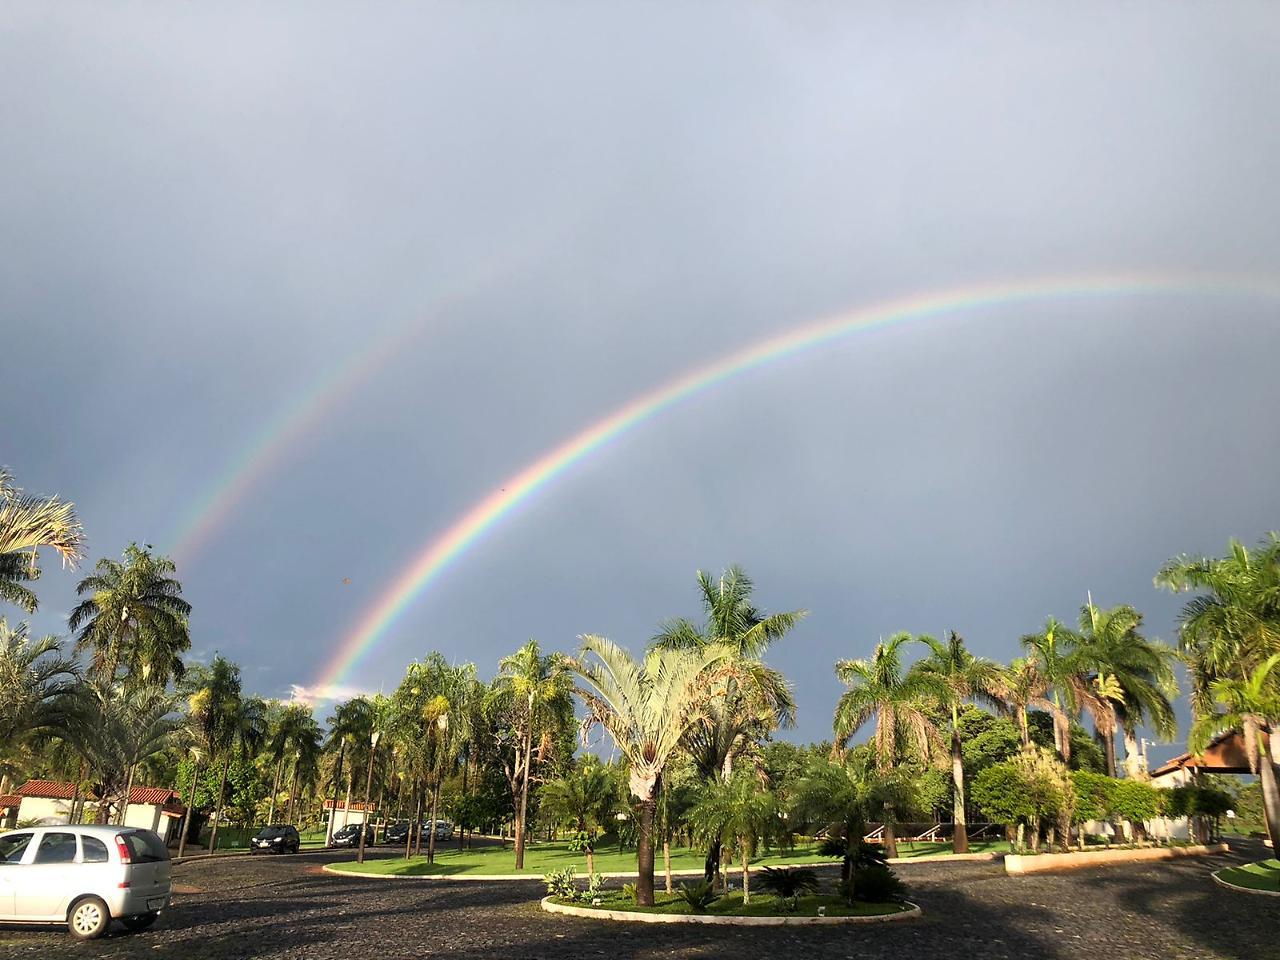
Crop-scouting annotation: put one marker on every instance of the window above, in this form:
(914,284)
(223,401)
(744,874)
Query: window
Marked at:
(95,851)
(146,847)
(13,846)
(56,848)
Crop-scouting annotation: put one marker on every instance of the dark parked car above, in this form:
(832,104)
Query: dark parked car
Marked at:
(396,833)
(277,838)
(349,836)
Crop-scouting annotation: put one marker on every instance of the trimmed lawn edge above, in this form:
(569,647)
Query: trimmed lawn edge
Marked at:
(1016,865)
(336,868)
(1239,889)
(593,913)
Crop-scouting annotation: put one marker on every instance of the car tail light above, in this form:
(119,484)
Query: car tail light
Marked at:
(123,884)
(123,849)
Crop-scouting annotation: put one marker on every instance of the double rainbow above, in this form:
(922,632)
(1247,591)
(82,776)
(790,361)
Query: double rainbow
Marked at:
(470,528)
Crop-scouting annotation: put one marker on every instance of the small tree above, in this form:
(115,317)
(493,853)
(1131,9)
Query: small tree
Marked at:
(1094,796)
(1002,793)
(1136,802)
(738,811)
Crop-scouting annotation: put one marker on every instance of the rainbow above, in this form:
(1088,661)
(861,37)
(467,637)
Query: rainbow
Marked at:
(468,529)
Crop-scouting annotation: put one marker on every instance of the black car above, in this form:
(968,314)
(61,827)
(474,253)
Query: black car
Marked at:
(396,833)
(277,838)
(349,836)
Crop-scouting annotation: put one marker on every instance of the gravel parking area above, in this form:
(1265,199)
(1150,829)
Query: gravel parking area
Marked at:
(287,907)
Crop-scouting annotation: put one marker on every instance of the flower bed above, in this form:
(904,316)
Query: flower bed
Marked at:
(763,910)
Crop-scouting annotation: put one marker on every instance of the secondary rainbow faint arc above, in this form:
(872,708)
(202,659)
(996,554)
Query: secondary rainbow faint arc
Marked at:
(472,525)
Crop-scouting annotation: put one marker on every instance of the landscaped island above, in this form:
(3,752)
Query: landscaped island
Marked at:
(614,902)
(1263,876)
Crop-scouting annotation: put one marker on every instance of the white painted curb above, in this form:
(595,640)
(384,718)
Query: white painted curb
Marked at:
(1018,865)
(627,874)
(633,916)
(1239,889)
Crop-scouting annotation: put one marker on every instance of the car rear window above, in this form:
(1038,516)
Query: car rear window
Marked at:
(146,847)
(56,848)
(95,851)
(13,846)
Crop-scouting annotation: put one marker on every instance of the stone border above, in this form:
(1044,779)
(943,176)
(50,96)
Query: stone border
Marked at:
(1239,889)
(1018,865)
(629,874)
(592,913)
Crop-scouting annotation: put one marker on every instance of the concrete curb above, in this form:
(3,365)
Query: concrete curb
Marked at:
(1239,889)
(912,912)
(627,874)
(1018,865)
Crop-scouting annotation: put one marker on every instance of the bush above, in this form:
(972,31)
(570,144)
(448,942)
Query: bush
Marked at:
(595,884)
(1095,794)
(876,884)
(788,885)
(560,883)
(1134,801)
(699,896)
(1002,793)
(631,892)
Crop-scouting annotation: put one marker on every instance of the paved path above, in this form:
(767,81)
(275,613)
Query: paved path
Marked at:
(286,907)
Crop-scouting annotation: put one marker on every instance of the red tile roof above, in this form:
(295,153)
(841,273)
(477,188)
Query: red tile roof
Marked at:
(47,790)
(10,800)
(158,796)
(355,805)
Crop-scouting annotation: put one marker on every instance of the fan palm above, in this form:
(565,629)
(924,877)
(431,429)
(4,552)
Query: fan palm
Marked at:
(26,524)
(135,617)
(901,703)
(647,707)
(530,695)
(35,681)
(961,677)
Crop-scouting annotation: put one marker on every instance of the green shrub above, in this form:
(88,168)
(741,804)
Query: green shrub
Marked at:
(1095,795)
(595,884)
(560,883)
(788,885)
(876,884)
(630,891)
(1134,801)
(699,896)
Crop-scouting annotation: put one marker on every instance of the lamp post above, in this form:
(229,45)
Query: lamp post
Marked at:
(368,789)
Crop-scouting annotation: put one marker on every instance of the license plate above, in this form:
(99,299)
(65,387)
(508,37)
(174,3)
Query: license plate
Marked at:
(155,904)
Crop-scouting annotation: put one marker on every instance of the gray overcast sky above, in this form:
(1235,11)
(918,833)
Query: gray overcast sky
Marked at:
(204,208)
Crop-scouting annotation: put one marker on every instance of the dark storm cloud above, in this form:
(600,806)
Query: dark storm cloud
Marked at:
(204,207)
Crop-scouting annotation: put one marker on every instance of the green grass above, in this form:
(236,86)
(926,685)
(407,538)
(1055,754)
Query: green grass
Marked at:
(730,905)
(1263,875)
(544,857)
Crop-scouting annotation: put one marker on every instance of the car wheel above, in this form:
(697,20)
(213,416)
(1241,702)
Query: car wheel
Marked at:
(88,919)
(141,921)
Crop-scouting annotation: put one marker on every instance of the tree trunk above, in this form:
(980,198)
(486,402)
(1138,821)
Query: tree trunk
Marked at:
(417,820)
(293,789)
(746,877)
(522,809)
(217,816)
(431,838)
(1024,728)
(337,785)
(408,841)
(368,789)
(128,789)
(666,862)
(191,805)
(711,866)
(890,841)
(1109,743)
(960,838)
(644,853)
(346,804)
(275,790)
(1270,794)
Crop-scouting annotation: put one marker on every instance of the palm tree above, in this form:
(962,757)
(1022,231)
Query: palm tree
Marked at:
(211,693)
(736,811)
(583,797)
(961,677)
(901,704)
(35,683)
(836,793)
(242,731)
(530,695)
(135,617)
(349,727)
(286,728)
(1137,671)
(1021,686)
(307,751)
(646,708)
(756,699)
(1066,671)
(26,524)
(1252,706)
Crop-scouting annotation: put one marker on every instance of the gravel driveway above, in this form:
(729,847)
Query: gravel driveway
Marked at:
(287,907)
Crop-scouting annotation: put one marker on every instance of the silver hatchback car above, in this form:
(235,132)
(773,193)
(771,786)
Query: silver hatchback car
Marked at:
(83,876)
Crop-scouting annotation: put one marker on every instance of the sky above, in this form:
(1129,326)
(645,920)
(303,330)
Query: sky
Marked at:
(369,261)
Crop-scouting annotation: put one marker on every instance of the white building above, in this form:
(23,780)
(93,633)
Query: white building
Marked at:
(48,802)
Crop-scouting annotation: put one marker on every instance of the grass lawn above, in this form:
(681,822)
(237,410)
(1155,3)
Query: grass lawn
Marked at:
(544,857)
(761,905)
(1263,875)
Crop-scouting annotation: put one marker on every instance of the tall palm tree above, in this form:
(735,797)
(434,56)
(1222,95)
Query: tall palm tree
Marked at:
(349,728)
(134,616)
(1138,672)
(1252,705)
(26,524)
(36,681)
(646,707)
(1068,674)
(241,733)
(1022,686)
(756,699)
(961,677)
(531,693)
(900,702)
(212,692)
(286,727)
(308,748)
(738,811)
